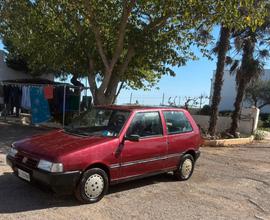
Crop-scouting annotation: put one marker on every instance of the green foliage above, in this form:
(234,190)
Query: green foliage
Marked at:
(259,135)
(206,110)
(112,41)
(258,93)
(266,123)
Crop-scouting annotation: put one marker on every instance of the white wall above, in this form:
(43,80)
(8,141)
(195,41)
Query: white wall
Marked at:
(228,92)
(7,73)
(248,122)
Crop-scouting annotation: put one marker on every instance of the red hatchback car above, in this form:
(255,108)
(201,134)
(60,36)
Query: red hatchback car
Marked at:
(108,145)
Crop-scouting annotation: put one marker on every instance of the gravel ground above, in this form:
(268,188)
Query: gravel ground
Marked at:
(228,183)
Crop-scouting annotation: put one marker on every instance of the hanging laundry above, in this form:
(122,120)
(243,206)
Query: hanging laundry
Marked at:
(1,95)
(6,89)
(26,101)
(48,92)
(39,106)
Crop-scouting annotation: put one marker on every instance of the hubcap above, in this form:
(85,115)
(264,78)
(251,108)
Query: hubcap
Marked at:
(94,186)
(186,168)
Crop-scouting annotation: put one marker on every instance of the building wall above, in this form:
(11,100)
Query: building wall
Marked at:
(7,73)
(247,124)
(228,92)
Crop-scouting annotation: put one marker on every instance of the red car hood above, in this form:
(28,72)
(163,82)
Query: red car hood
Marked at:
(57,143)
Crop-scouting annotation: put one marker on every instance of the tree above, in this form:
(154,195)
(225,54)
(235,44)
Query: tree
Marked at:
(223,47)
(241,17)
(112,42)
(250,67)
(258,93)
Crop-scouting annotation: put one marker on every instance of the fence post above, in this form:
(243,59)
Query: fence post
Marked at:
(80,100)
(64,106)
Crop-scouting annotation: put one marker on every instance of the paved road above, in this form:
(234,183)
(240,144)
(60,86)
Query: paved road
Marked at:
(228,183)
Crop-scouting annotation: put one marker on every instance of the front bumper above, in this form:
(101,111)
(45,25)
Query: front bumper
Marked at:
(64,182)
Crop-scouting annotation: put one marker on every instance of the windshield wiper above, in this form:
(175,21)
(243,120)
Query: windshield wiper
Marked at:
(76,131)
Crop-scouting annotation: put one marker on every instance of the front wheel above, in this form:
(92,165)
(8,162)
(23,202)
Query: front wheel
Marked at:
(92,186)
(185,168)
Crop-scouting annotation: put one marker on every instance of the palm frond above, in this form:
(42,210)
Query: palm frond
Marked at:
(264,54)
(229,60)
(215,48)
(238,43)
(234,66)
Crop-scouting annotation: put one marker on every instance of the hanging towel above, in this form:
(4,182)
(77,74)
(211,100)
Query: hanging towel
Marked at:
(48,92)
(39,106)
(26,101)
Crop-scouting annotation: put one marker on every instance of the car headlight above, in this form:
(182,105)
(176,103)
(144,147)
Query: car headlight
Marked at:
(12,152)
(50,166)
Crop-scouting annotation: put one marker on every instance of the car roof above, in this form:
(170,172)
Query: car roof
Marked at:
(138,107)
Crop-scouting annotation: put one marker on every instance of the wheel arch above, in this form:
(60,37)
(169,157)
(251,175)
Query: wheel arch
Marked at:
(192,153)
(101,166)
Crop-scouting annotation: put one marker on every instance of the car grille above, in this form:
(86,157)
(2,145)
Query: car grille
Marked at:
(27,161)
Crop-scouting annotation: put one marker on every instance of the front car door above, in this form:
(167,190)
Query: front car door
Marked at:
(146,155)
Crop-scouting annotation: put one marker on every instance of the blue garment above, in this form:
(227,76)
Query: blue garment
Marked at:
(39,106)
(26,102)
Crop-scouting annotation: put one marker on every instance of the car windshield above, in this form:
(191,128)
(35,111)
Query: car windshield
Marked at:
(99,122)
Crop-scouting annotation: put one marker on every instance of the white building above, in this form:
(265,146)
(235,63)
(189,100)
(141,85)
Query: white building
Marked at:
(228,92)
(7,73)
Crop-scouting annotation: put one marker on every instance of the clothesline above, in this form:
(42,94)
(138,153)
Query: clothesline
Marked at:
(39,85)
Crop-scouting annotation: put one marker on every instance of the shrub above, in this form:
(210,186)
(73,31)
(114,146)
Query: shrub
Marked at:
(206,110)
(259,135)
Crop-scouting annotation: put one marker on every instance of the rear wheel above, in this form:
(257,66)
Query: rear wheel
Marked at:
(185,168)
(92,186)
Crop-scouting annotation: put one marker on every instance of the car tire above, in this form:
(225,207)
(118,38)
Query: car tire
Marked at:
(93,186)
(185,168)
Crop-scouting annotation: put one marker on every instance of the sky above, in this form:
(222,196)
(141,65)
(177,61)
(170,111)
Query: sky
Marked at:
(191,80)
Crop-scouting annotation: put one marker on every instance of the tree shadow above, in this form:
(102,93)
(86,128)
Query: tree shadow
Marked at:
(19,196)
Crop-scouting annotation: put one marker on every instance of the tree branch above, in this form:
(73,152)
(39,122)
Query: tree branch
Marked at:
(157,23)
(261,106)
(129,56)
(91,77)
(122,30)
(120,44)
(118,92)
(96,31)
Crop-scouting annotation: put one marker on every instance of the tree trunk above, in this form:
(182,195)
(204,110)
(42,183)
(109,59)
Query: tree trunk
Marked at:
(243,77)
(105,98)
(223,47)
(237,106)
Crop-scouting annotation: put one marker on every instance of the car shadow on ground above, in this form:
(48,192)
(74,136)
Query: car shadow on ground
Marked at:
(19,196)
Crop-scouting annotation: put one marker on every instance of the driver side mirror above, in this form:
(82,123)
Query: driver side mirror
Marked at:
(133,137)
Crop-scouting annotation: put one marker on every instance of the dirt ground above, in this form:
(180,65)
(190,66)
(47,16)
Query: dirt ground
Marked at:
(228,183)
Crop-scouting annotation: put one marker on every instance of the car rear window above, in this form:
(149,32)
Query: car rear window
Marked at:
(177,122)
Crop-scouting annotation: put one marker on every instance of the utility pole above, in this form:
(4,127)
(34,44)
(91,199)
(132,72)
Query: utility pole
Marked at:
(163,99)
(130,99)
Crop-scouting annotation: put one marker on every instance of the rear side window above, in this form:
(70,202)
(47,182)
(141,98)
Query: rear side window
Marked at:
(146,124)
(176,122)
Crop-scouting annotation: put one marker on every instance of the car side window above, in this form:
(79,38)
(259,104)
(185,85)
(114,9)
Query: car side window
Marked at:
(146,124)
(176,122)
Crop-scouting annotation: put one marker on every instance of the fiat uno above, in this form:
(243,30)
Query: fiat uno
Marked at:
(108,145)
